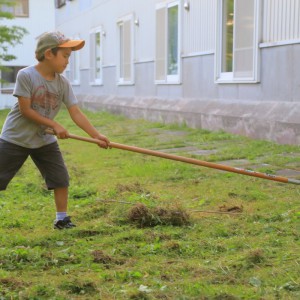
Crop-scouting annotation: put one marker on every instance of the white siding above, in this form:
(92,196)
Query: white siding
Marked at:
(24,52)
(38,10)
(199,27)
(161,47)
(281,20)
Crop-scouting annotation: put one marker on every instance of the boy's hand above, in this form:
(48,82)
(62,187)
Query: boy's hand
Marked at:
(60,132)
(104,141)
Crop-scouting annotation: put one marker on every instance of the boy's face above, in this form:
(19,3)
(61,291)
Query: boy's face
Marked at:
(61,60)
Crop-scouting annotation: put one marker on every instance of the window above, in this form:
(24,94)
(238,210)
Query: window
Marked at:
(8,78)
(73,71)
(20,8)
(59,3)
(125,65)
(167,52)
(227,36)
(96,56)
(237,42)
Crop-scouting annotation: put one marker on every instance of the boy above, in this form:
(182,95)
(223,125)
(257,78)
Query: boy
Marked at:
(41,89)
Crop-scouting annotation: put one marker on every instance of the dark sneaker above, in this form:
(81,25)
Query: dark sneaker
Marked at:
(63,224)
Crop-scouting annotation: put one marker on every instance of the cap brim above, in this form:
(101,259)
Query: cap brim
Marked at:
(74,44)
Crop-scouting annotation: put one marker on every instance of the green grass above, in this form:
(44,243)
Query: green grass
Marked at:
(252,254)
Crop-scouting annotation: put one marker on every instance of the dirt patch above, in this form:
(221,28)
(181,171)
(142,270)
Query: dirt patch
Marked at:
(232,209)
(255,256)
(11,283)
(101,258)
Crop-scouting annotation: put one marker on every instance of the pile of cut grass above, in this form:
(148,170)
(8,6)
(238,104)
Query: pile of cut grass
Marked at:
(142,216)
(150,228)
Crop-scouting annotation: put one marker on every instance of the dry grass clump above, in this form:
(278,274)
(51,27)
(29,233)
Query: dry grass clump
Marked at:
(133,188)
(143,216)
(100,257)
(255,257)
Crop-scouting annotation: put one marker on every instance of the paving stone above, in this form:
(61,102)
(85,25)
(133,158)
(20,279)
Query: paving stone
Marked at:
(235,162)
(203,152)
(288,173)
(189,150)
(241,163)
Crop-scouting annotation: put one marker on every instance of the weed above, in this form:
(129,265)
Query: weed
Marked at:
(43,292)
(79,287)
(79,192)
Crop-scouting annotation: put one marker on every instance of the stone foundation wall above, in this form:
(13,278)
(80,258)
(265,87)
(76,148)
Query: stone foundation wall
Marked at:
(273,121)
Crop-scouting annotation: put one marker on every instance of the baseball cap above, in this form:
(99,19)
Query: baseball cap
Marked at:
(51,40)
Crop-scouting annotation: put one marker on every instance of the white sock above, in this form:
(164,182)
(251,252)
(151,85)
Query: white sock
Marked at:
(60,215)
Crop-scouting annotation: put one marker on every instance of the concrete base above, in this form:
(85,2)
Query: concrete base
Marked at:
(273,121)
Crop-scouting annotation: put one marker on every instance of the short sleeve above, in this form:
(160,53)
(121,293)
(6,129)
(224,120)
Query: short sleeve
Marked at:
(23,85)
(69,97)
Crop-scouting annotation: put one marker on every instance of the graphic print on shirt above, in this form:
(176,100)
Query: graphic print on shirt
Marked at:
(43,101)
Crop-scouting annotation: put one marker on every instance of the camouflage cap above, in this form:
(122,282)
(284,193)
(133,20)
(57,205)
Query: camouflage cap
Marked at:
(50,40)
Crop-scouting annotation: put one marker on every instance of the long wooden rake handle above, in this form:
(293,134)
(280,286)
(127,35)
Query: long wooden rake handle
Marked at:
(185,159)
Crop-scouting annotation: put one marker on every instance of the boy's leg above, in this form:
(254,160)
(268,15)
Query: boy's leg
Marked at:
(61,199)
(50,162)
(12,157)
(62,221)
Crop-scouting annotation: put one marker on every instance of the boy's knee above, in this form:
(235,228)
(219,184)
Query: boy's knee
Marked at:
(4,181)
(3,188)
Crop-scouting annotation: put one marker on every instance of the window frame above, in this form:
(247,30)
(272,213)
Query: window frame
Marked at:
(94,80)
(229,77)
(121,80)
(15,8)
(60,3)
(10,84)
(162,45)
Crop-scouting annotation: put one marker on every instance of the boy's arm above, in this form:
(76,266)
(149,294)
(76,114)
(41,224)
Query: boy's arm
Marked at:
(82,121)
(31,114)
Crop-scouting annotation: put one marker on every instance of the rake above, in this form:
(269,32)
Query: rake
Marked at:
(184,159)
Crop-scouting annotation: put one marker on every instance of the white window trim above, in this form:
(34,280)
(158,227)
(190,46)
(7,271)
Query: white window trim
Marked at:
(171,79)
(228,77)
(96,81)
(77,59)
(121,80)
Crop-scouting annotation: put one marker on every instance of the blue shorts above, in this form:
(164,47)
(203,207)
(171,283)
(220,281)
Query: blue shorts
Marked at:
(48,160)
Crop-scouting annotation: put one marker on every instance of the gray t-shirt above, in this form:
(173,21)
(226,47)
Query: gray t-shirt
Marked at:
(46,97)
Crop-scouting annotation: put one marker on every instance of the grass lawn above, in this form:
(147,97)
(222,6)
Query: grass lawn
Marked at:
(152,228)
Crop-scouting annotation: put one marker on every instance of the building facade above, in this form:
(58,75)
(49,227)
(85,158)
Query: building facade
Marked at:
(37,17)
(229,65)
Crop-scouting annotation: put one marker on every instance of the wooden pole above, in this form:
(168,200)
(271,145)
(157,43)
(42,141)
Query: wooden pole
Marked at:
(185,159)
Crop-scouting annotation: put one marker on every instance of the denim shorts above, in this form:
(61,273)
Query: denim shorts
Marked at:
(48,160)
